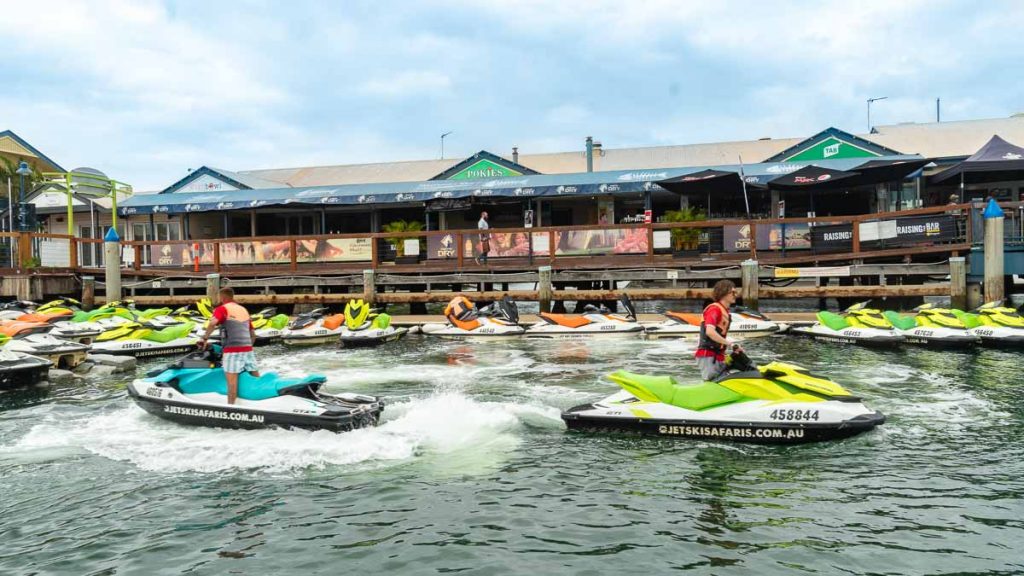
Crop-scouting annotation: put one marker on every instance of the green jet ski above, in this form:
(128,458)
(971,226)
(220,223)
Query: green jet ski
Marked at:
(773,404)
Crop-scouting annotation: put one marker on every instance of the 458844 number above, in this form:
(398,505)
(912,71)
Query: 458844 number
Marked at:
(798,415)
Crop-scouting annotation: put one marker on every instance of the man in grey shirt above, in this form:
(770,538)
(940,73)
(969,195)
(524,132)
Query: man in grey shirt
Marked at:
(485,239)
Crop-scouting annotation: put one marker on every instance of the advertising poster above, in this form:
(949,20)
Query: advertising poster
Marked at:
(597,242)
(257,252)
(769,237)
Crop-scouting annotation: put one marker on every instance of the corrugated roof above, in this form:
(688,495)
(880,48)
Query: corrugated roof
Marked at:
(948,139)
(250,180)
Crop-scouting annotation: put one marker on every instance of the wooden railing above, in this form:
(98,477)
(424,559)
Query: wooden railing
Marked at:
(455,249)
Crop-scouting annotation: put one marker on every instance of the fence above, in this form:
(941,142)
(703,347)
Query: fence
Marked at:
(936,229)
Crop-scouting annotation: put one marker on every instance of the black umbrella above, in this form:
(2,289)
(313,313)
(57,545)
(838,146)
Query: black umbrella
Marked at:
(879,171)
(997,160)
(812,177)
(708,182)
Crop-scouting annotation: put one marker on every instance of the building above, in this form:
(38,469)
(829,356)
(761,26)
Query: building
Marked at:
(449,194)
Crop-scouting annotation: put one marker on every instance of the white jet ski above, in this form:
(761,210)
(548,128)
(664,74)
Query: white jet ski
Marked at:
(496,321)
(19,370)
(997,325)
(193,391)
(34,338)
(859,325)
(773,404)
(365,327)
(141,340)
(314,327)
(933,327)
(596,321)
(745,323)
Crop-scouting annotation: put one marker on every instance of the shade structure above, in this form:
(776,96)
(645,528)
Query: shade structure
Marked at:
(812,178)
(706,181)
(879,171)
(996,161)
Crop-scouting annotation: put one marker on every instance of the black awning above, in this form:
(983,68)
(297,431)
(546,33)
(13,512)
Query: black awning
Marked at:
(812,178)
(707,181)
(879,171)
(996,161)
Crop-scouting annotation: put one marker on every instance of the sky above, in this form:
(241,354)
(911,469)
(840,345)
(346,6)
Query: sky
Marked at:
(146,90)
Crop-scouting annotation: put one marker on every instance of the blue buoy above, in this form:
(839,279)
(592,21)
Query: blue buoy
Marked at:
(992,210)
(113,237)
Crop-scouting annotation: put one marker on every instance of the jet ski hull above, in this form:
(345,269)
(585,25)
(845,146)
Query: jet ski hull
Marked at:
(1000,337)
(596,330)
(940,338)
(485,332)
(169,404)
(672,329)
(371,337)
(22,370)
(586,418)
(145,348)
(62,353)
(312,337)
(870,337)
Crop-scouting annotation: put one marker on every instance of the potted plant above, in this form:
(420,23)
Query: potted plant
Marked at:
(685,240)
(398,243)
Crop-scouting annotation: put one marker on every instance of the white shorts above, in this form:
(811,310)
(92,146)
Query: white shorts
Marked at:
(238,362)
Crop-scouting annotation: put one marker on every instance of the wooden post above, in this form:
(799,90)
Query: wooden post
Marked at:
(544,292)
(216,257)
(24,250)
(749,287)
(88,292)
(958,282)
(974,298)
(753,240)
(112,263)
(137,251)
(856,236)
(73,253)
(459,249)
(994,282)
(213,287)
(650,242)
(375,251)
(294,254)
(369,286)
(551,246)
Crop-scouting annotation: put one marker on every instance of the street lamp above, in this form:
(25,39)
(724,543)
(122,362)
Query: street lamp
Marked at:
(22,171)
(870,100)
(442,143)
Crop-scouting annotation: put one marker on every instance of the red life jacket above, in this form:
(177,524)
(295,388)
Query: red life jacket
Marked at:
(722,328)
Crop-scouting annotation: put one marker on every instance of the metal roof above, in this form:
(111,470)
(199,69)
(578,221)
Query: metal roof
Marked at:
(528,186)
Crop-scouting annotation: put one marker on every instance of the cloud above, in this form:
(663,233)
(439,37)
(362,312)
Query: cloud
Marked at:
(408,83)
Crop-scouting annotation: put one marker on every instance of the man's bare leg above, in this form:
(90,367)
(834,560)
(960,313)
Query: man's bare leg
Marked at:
(232,380)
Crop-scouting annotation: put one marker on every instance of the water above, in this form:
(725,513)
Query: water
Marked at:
(472,471)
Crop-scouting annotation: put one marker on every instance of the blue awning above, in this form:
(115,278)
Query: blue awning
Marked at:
(530,186)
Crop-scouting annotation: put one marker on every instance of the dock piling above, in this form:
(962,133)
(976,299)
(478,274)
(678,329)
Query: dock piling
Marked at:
(958,282)
(213,287)
(994,281)
(369,286)
(88,292)
(749,285)
(112,264)
(544,292)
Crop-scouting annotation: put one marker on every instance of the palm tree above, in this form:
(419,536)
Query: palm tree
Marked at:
(401,226)
(9,172)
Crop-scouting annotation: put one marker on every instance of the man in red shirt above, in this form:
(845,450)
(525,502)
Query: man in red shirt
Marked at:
(236,336)
(714,332)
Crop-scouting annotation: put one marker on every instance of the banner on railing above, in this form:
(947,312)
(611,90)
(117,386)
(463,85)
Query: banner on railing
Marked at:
(769,237)
(250,252)
(899,232)
(595,242)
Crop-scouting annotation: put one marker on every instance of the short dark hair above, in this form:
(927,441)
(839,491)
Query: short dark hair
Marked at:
(227,292)
(722,287)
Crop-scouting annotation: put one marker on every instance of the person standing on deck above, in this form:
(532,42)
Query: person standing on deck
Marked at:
(485,239)
(714,332)
(237,336)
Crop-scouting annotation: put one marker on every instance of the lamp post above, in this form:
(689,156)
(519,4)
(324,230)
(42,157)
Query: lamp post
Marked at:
(442,143)
(22,171)
(870,100)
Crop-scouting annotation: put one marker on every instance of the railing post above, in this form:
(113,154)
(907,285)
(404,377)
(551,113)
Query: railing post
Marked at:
(551,246)
(749,283)
(137,252)
(459,249)
(958,282)
(88,292)
(216,256)
(24,249)
(213,287)
(374,251)
(294,255)
(544,292)
(73,253)
(370,286)
(753,240)
(650,242)
(856,235)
